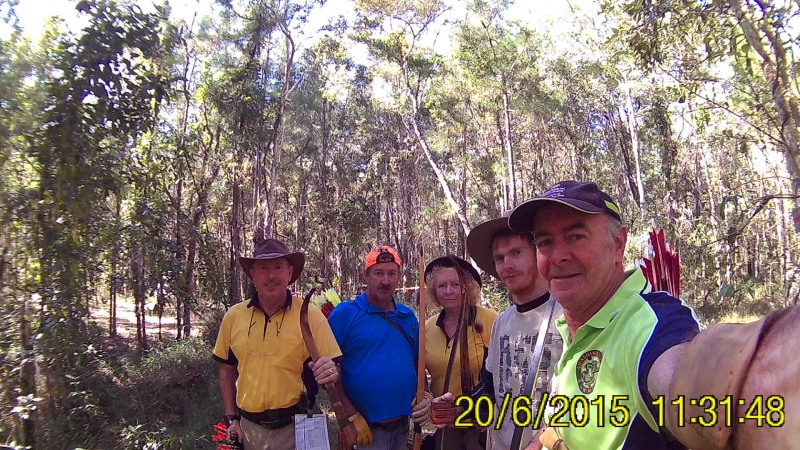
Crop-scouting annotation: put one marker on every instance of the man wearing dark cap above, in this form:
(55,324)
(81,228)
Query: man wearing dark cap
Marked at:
(635,356)
(616,330)
(510,256)
(379,338)
(265,367)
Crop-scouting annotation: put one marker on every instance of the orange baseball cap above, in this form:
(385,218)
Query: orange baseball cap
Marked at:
(382,254)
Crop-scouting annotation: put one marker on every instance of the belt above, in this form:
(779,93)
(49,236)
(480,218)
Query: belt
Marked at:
(390,425)
(273,418)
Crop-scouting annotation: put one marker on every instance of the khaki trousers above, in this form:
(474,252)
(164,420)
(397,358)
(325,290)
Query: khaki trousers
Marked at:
(257,437)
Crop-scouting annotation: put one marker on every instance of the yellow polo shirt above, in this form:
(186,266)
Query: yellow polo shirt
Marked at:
(437,349)
(269,354)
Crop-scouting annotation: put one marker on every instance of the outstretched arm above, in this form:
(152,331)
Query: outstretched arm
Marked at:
(755,364)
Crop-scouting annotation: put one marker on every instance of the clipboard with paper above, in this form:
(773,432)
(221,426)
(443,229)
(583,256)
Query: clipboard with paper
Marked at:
(311,432)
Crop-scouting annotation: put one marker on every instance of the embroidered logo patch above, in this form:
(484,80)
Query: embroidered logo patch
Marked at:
(587,370)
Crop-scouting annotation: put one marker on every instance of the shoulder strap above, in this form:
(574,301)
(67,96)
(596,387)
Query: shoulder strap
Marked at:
(408,338)
(536,359)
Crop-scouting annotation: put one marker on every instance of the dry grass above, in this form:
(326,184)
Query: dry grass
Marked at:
(739,318)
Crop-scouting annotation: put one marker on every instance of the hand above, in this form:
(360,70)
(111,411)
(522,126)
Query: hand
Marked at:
(363,432)
(325,370)
(234,431)
(551,438)
(443,410)
(421,413)
(535,444)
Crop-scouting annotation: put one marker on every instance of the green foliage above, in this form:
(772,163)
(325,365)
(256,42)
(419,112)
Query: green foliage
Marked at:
(140,157)
(495,297)
(174,398)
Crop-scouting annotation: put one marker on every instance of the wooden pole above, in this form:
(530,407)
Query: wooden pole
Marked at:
(421,377)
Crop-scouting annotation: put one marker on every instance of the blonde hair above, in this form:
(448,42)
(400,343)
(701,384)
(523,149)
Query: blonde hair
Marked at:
(473,289)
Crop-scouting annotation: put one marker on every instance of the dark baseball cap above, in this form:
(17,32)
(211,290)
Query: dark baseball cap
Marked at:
(583,196)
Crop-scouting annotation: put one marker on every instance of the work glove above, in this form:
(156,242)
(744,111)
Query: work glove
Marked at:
(421,413)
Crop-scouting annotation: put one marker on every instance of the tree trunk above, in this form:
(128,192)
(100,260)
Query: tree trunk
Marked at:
(776,66)
(27,382)
(139,295)
(420,138)
(114,279)
(623,150)
(191,261)
(722,244)
(630,114)
(179,251)
(275,146)
(235,283)
(189,289)
(462,218)
(509,149)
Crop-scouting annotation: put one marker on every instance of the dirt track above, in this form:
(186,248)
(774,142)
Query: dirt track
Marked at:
(126,321)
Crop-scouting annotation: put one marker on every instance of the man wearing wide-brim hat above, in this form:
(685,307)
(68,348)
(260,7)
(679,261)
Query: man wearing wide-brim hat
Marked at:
(265,368)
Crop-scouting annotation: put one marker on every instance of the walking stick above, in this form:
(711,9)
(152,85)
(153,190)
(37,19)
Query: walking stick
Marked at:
(421,377)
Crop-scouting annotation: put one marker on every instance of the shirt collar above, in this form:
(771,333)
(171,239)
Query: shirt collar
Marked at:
(635,283)
(363,303)
(472,313)
(533,304)
(254,302)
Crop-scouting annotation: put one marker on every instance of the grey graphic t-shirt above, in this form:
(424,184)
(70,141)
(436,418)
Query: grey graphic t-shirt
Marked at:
(510,352)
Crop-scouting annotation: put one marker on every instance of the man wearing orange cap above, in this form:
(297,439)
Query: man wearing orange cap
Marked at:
(379,338)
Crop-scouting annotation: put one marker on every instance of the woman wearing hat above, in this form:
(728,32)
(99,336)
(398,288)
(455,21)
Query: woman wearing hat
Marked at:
(444,289)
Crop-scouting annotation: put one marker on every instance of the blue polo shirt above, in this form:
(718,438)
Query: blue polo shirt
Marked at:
(377,362)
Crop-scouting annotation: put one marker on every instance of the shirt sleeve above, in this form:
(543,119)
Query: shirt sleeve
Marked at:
(488,324)
(415,336)
(222,349)
(339,320)
(494,349)
(677,324)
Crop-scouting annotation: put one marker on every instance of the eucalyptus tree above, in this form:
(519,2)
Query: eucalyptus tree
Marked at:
(100,88)
(248,82)
(758,33)
(494,58)
(19,106)
(723,108)
(415,68)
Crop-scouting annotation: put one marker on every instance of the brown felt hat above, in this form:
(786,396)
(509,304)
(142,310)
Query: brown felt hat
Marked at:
(479,242)
(274,249)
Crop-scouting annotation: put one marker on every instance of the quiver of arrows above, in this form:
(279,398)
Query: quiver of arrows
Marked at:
(663,271)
